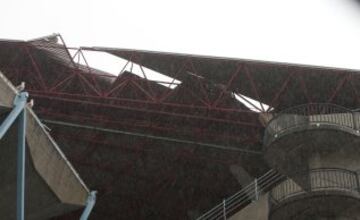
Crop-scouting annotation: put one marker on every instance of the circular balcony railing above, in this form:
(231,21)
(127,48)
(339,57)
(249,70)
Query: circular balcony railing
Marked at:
(309,116)
(338,181)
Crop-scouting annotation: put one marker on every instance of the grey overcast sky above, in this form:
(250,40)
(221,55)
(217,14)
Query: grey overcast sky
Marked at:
(318,32)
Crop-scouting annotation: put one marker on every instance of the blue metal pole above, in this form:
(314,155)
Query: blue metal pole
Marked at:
(19,105)
(20,190)
(18,112)
(89,205)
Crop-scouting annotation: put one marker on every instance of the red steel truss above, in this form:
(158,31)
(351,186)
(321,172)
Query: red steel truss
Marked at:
(170,129)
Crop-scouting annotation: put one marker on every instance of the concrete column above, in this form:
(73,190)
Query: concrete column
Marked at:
(258,210)
(242,176)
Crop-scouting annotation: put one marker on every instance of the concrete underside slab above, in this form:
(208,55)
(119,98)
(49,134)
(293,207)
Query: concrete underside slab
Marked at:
(52,185)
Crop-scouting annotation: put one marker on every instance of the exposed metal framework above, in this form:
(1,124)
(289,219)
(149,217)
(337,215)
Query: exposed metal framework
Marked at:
(203,108)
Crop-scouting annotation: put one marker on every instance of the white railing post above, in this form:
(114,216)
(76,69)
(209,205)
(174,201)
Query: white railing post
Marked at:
(224,209)
(256,189)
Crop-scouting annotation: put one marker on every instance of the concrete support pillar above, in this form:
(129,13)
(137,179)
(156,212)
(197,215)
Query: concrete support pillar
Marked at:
(258,210)
(356,117)
(242,176)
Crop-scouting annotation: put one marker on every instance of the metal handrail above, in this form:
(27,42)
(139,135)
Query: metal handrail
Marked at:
(325,179)
(251,192)
(310,108)
(311,114)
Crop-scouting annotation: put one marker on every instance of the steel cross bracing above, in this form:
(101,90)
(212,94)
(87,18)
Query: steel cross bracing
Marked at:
(202,107)
(198,99)
(80,85)
(145,91)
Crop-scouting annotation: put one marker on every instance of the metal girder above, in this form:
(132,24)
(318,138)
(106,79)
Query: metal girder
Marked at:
(89,205)
(200,109)
(21,152)
(18,112)
(167,139)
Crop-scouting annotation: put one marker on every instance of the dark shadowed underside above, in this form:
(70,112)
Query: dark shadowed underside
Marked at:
(165,153)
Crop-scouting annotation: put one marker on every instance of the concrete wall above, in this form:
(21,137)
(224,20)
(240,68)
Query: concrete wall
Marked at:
(242,176)
(52,164)
(7,92)
(345,158)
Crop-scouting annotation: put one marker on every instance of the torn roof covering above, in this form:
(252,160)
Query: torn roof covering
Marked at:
(75,58)
(258,85)
(261,81)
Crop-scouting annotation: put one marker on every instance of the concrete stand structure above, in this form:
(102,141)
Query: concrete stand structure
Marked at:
(317,147)
(169,135)
(37,180)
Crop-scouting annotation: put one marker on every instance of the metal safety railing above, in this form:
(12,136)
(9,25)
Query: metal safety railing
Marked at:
(317,180)
(313,114)
(246,195)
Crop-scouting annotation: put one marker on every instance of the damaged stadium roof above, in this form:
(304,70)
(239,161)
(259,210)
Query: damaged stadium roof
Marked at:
(142,143)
